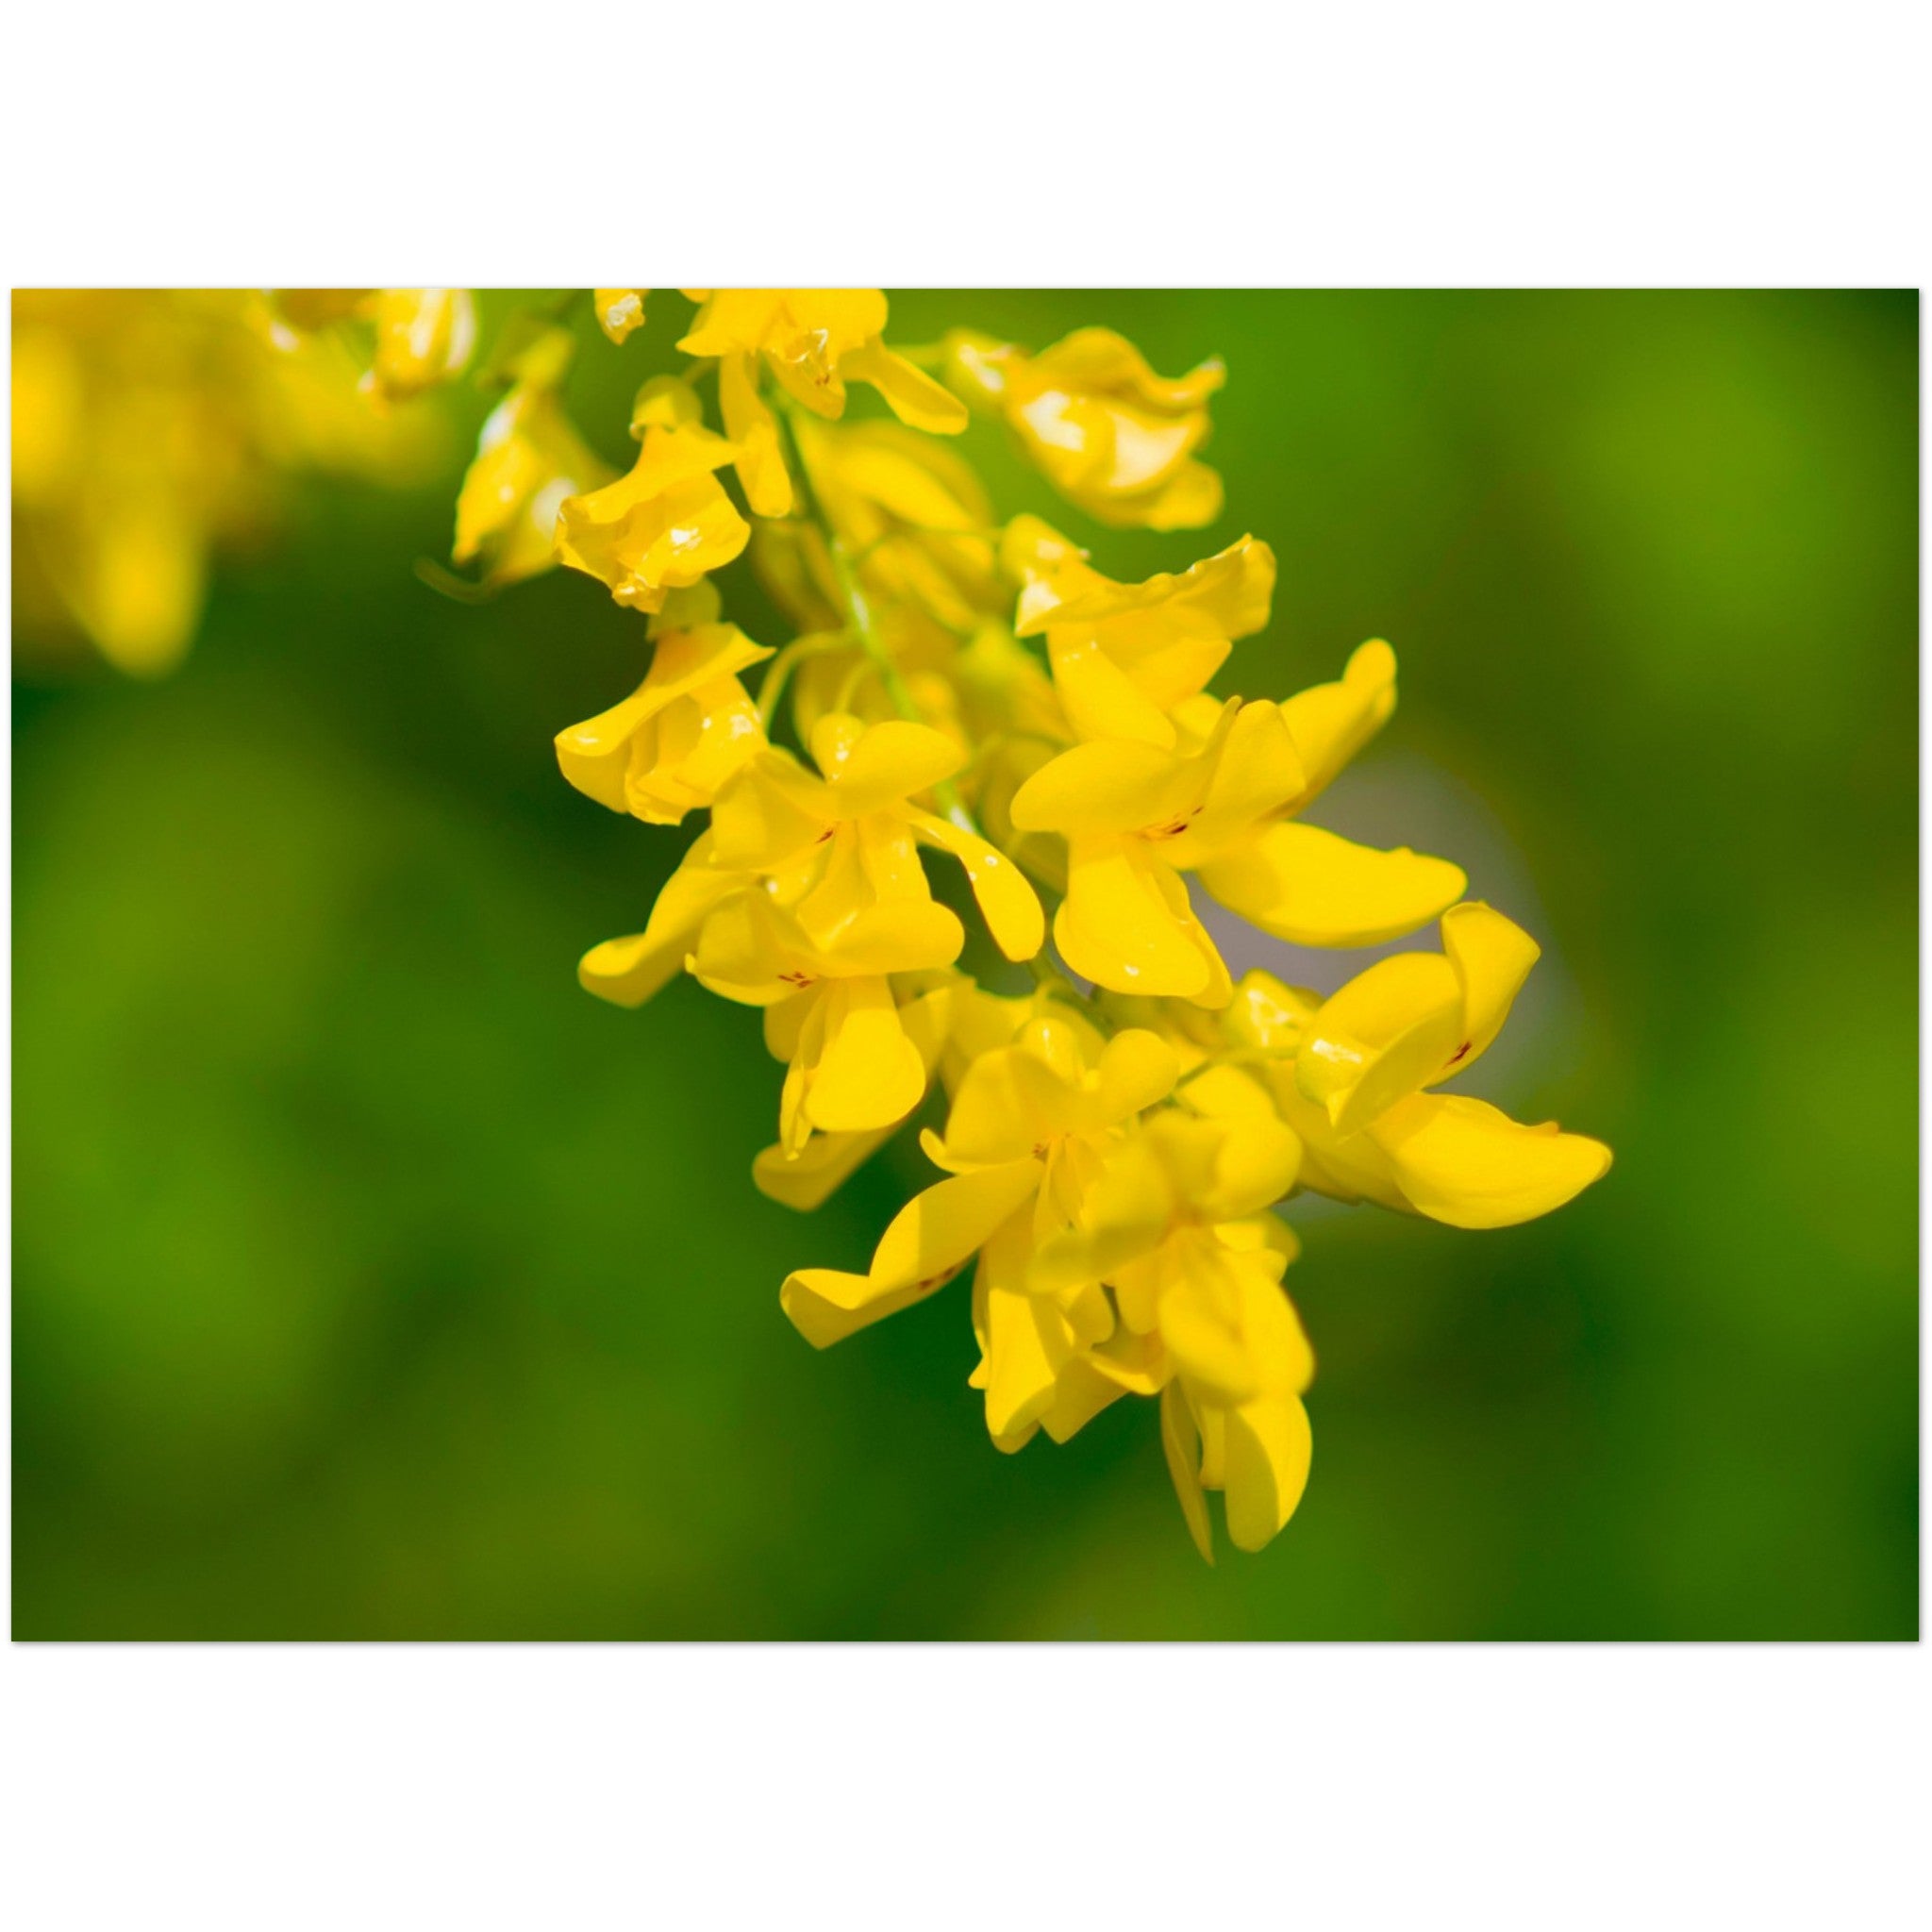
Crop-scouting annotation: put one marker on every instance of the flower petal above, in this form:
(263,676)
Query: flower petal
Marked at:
(927,1243)
(1467,1163)
(1377,1039)
(1269,1449)
(1312,889)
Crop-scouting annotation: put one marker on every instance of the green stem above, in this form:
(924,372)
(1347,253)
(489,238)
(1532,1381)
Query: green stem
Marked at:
(858,611)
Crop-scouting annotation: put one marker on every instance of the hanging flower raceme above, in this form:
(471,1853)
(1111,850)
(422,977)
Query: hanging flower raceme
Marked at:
(1111,1162)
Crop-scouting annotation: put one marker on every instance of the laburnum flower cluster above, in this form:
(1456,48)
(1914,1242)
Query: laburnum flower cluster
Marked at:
(1113,1118)
(1115,1135)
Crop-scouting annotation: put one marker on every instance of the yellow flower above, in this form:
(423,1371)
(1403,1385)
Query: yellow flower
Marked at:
(422,337)
(1364,1060)
(668,747)
(530,460)
(1107,432)
(666,524)
(1134,814)
(814,340)
(619,311)
(1024,1141)
(152,430)
(1178,1230)
(1126,655)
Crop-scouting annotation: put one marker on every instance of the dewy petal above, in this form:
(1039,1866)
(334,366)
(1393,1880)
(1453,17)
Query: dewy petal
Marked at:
(1467,1163)
(1491,956)
(1117,927)
(1006,901)
(929,1241)
(869,1074)
(881,765)
(1378,1038)
(1180,1442)
(1312,889)
(1269,1449)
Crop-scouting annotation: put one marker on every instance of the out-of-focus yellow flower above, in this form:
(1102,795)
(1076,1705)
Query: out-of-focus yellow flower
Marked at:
(1125,656)
(1106,431)
(529,460)
(152,430)
(1365,1061)
(668,747)
(619,312)
(669,522)
(422,337)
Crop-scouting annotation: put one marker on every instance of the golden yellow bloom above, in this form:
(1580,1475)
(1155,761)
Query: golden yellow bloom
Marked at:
(667,748)
(815,340)
(666,524)
(1178,1229)
(1125,656)
(1357,1090)
(422,337)
(529,460)
(1107,432)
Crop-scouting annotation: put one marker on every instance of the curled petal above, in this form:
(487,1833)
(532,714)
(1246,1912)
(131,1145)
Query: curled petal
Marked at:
(1006,901)
(1491,956)
(927,1243)
(1379,1039)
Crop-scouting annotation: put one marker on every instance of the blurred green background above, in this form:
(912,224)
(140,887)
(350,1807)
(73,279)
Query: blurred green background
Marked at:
(372,1280)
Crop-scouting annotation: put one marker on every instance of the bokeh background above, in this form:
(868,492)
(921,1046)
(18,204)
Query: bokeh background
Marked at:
(372,1280)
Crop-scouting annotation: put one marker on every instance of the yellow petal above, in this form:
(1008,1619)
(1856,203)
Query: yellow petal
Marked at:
(1006,901)
(1102,700)
(1312,889)
(870,1075)
(926,1244)
(879,765)
(1332,722)
(1269,1449)
(1377,1041)
(912,396)
(750,424)
(1180,1440)
(1467,1163)
(1491,956)
(1112,786)
(1117,927)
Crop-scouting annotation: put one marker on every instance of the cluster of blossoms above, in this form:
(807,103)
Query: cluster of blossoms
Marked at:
(1118,1130)
(152,429)
(1116,1124)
